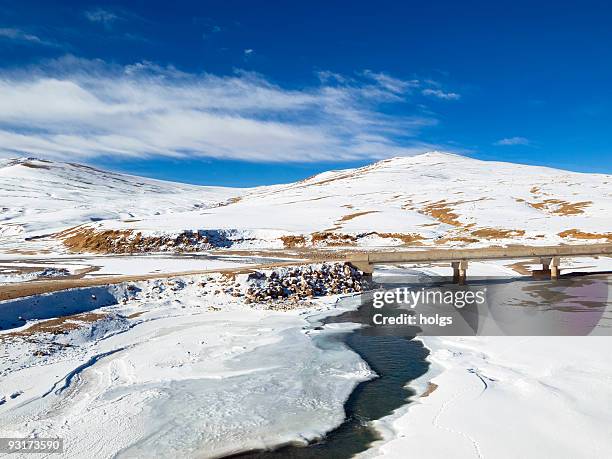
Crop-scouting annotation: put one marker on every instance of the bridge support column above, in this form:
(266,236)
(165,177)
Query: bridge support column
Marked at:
(365,267)
(550,268)
(554,268)
(459,271)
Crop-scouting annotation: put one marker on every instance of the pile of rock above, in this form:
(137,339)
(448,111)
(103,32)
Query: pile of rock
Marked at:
(302,282)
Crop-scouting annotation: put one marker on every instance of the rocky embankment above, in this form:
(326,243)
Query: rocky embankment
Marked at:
(303,282)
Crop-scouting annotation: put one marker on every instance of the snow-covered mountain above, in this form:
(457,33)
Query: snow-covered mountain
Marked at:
(434,198)
(40,197)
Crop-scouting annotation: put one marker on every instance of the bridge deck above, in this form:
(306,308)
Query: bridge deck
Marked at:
(486,253)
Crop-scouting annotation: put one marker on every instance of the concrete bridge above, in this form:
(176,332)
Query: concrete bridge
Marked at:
(548,256)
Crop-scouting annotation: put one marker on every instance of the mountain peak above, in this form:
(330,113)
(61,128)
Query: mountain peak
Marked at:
(434,154)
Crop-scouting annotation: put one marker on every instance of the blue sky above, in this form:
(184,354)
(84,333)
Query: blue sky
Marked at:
(236,93)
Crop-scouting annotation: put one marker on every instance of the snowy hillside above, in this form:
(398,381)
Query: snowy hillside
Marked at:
(430,199)
(40,197)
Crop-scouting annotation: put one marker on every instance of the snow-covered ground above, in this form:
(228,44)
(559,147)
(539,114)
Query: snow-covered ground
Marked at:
(39,197)
(171,368)
(432,199)
(508,397)
(29,268)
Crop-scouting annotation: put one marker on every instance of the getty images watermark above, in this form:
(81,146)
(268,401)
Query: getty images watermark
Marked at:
(412,298)
(494,306)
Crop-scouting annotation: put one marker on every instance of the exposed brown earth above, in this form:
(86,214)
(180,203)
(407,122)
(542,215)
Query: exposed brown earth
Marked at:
(479,234)
(34,166)
(230,201)
(84,239)
(497,233)
(332,239)
(430,388)
(291,242)
(467,240)
(443,212)
(349,217)
(406,238)
(577,234)
(560,207)
(56,326)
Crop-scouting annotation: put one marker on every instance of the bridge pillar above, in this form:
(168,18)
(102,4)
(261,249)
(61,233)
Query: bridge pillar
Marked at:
(550,268)
(554,268)
(365,267)
(459,271)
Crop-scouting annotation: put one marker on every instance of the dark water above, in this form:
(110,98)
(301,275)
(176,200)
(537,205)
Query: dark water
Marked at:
(396,358)
(570,306)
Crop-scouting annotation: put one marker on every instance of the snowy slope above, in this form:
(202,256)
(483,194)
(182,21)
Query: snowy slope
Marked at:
(434,198)
(39,197)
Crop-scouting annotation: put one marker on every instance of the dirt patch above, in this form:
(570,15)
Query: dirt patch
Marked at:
(233,200)
(346,218)
(408,205)
(349,217)
(443,212)
(333,179)
(430,388)
(58,325)
(332,239)
(560,207)
(577,234)
(497,233)
(135,315)
(290,242)
(406,238)
(465,239)
(83,239)
(34,166)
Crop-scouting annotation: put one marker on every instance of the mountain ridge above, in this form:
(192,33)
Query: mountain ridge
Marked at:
(434,198)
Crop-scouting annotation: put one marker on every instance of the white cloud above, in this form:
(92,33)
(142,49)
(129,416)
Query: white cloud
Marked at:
(390,83)
(21,36)
(77,109)
(513,141)
(101,16)
(441,94)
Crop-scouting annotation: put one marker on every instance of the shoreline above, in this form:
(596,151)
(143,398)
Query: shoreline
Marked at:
(232,346)
(484,378)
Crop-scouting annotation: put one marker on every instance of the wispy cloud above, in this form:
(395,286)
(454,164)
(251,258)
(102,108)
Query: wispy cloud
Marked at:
(72,108)
(390,83)
(513,141)
(23,37)
(210,31)
(102,16)
(440,94)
